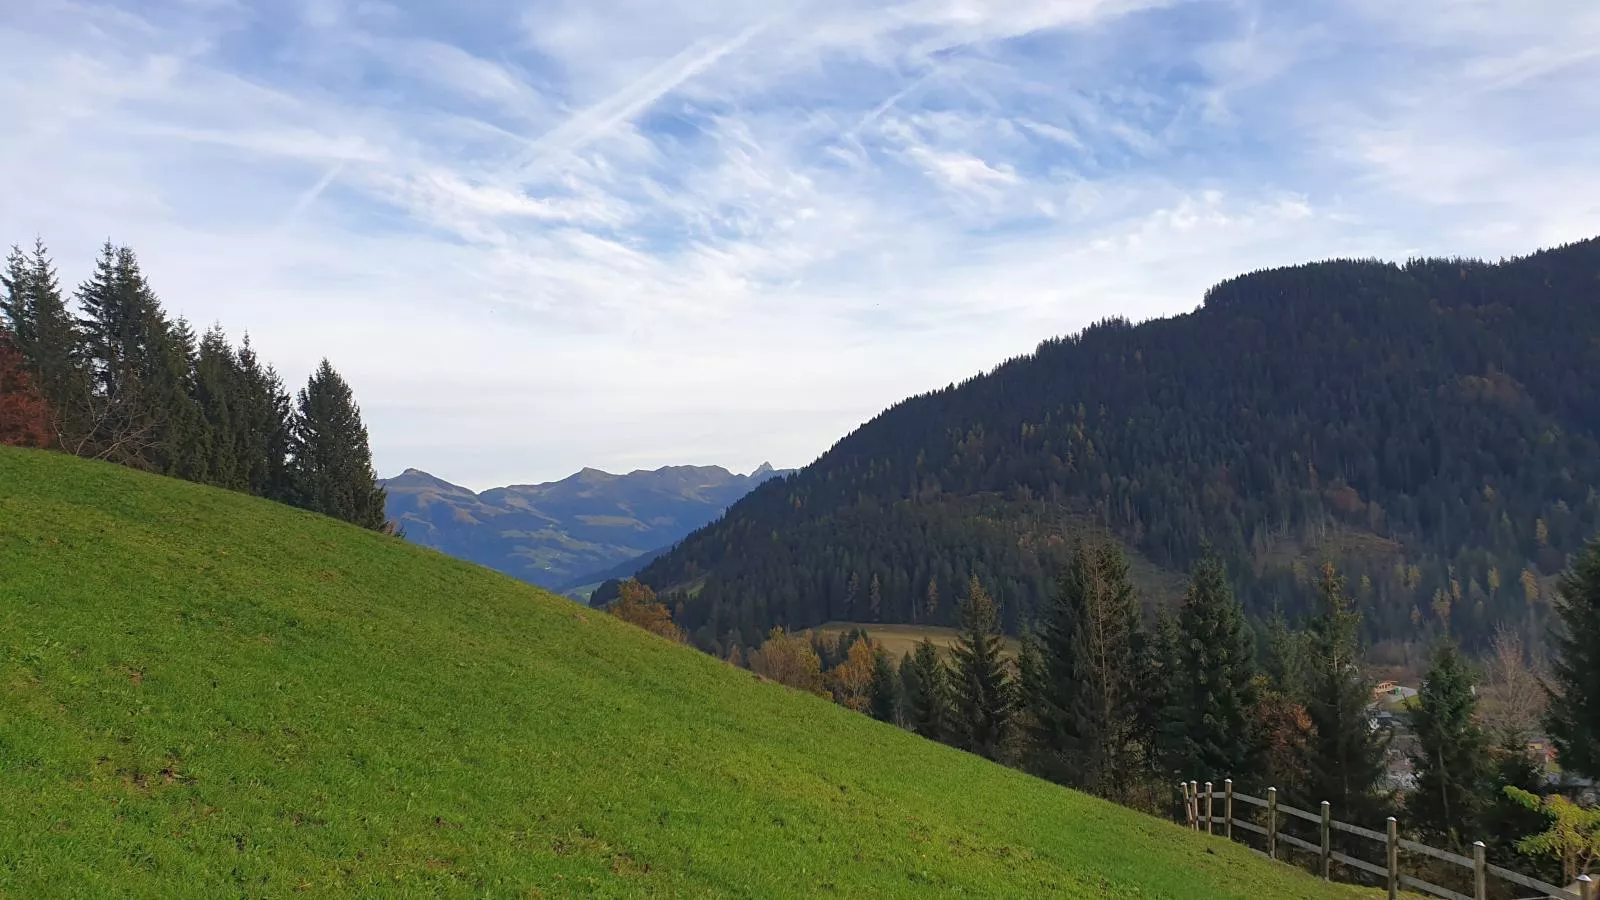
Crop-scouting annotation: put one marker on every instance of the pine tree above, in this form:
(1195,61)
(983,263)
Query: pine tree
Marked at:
(1573,718)
(1451,759)
(1347,754)
(885,691)
(983,688)
(929,704)
(1086,701)
(332,472)
(1209,734)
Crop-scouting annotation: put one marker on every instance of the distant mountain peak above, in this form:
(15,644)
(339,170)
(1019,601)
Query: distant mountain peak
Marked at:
(413,479)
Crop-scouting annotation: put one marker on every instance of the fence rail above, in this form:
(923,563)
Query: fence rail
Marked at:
(1202,813)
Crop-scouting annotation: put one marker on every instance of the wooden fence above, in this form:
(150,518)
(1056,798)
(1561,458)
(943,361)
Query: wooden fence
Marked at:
(1200,804)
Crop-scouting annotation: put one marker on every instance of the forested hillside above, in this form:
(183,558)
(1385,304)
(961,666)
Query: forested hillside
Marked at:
(1432,427)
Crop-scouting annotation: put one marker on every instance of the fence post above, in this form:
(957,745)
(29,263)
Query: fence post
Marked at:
(1227,808)
(1394,859)
(1183,799)
(1480,871)
(1327,841)
(1585,887)
(1272,823)
(1194,798)
(1209,808)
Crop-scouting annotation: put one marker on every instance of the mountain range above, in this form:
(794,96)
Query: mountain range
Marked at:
(1432,428)
(564,534)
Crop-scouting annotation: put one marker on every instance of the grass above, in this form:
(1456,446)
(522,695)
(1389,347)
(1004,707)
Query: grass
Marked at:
(207,695)
(901,639)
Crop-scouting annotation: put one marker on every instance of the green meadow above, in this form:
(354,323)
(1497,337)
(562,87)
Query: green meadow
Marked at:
(208,695)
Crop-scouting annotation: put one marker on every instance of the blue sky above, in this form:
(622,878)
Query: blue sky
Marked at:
(538,236)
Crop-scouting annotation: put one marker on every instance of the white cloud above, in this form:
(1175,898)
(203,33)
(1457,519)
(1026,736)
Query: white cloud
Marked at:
(634,233)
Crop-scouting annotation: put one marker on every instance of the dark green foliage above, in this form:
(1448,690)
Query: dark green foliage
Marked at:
(1445,406)
(1347,753)
(216,389)
(1085,697)
(46,334)
(332,470)
(141,412)
(928,700)
(1451,760)
(260,412)
(885,693)
(1505,821)
(1573,719)
(984,692)
(1211,698)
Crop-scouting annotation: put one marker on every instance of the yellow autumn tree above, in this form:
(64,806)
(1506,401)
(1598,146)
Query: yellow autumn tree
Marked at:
(789,660)
(636,603)
(851,680)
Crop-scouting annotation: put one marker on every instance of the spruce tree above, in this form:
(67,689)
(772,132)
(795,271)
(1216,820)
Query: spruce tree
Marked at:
(1507,821)
(1451,759)
(984,692)
(884,694)
(216,376)
(332,463)
(1212,683)
(261,410)
(141,412)
(16,307)
(1347,753)
(929,704)
(48,339)
(1086,704)
(1573,717)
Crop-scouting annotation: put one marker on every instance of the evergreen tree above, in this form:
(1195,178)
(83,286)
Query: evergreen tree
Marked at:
(1212,683)
(332,472)
(1347,754)
(1086,701)
(929,704)
(141,413)
(884,694)
(260,410)
(983,688)
(47,337)
(1451,759)
(1573,718)
(1507,821)
(216,387)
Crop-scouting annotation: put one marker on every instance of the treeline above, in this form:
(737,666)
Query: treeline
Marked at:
(1431,427)
(1098,701)
(107,374)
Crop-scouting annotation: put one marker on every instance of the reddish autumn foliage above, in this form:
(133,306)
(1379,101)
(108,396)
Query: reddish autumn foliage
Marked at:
(24,415)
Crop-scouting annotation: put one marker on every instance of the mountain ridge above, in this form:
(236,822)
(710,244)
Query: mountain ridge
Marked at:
(550,533)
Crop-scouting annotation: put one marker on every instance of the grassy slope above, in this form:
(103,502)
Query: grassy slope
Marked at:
(206,695)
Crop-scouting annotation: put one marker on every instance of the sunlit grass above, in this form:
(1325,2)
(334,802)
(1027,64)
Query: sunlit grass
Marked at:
(207,695)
